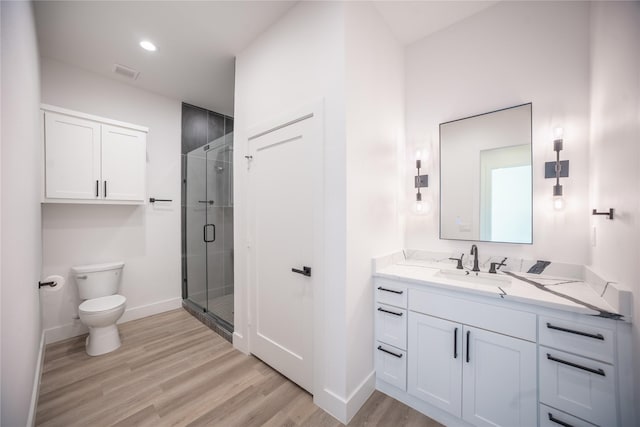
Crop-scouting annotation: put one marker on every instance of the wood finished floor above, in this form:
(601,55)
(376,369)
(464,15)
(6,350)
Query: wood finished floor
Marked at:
(173,371)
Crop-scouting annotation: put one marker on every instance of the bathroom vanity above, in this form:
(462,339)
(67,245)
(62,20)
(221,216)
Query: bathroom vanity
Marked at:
(507,349)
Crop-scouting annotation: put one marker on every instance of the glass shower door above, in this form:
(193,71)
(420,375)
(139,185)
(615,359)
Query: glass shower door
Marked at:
(220,229)
(209,228)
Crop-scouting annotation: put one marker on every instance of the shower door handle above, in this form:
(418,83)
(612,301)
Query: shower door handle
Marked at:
(204,233)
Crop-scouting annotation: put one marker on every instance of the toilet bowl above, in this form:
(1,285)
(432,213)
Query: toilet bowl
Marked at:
(102,306)
(101,315)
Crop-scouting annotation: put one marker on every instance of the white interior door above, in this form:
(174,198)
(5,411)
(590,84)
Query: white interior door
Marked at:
(285,186)
(124,157)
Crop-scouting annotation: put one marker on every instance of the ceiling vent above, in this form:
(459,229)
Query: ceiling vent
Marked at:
(127,72)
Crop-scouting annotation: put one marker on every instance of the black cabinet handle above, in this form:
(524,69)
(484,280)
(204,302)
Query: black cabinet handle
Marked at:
(380,288)
(204,233)
(97,187)
(468,333)
(306,271)
(455,343)
(571,331)
(389,352)
(575,365)
(557,421)
(105,189)
(388,311)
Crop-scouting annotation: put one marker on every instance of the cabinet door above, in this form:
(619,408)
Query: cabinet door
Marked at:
(72,157)
(124,153)
(435,361)
(499,380)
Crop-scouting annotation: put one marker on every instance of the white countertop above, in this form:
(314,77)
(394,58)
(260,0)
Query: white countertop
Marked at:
(561,293)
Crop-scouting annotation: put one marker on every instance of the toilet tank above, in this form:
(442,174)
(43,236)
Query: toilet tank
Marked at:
(98,280)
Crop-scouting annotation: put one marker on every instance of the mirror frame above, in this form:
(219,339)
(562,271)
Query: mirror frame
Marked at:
(532,174)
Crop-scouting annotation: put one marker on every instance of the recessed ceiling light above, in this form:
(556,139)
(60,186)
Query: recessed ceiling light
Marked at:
(147,45)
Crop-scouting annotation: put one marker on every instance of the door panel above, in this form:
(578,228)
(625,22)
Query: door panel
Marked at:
(72,157)
(282,193)
(499,386)
(435,358)
(123,154)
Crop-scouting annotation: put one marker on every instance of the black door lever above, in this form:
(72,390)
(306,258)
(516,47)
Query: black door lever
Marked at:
(306,271)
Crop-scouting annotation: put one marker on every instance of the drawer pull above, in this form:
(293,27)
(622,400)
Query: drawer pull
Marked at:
(388,311)
(468,333)
(575,365)
(557,421)
(571,331)
(455,343)
(389,352)
(380,288)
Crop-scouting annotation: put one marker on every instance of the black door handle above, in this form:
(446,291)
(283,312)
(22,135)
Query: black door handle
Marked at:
(204,232)
(105,189)
(306,271)
(97,187)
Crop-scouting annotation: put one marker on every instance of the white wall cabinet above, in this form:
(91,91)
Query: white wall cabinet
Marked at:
(88,159)
(487,379)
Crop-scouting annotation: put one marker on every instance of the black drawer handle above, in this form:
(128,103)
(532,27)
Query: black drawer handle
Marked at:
(571,331)
(97,187)
(389,352)
(455,343)
(575,365)
(390,312)
(557,421)
(105,189)
(380,288)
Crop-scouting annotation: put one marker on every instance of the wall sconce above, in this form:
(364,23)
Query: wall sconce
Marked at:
(420,181)
(558,169)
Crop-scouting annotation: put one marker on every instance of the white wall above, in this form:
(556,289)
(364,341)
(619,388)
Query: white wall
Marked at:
(375,155)
(146,238)
(508,54)
(615,149)
(21,239)
(298,61)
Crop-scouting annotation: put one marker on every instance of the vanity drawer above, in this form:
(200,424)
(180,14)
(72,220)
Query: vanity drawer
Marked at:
(391,325)
(391,365)
(582,387)
(579,338)
(514,323)
(391,293)
(550,417)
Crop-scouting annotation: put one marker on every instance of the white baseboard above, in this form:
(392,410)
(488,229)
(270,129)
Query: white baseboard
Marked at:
(75,328)
(141,311)
(36,383)
(240,343)
(344,409)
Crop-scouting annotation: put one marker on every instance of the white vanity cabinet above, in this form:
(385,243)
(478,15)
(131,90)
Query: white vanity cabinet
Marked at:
(88,159)
(391,334)
(577,371)
(485,378)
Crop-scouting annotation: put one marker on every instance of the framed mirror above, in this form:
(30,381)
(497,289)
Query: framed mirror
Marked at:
(486,177)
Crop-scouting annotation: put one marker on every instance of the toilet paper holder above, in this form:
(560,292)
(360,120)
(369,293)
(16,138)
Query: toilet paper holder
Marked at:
(50,284)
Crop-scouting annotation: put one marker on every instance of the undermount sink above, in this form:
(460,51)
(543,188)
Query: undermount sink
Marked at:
(478,278)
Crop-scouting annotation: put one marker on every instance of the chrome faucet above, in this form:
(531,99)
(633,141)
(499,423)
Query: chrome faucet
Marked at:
(474,252)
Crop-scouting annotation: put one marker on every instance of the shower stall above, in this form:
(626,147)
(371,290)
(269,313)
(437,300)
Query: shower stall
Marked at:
(207,217)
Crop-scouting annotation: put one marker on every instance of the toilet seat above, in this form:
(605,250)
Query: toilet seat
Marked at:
(102,304)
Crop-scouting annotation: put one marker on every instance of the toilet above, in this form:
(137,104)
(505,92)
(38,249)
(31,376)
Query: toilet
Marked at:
(102,306)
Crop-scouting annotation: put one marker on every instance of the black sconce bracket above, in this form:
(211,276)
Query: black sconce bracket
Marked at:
(421,181)
(550,169)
